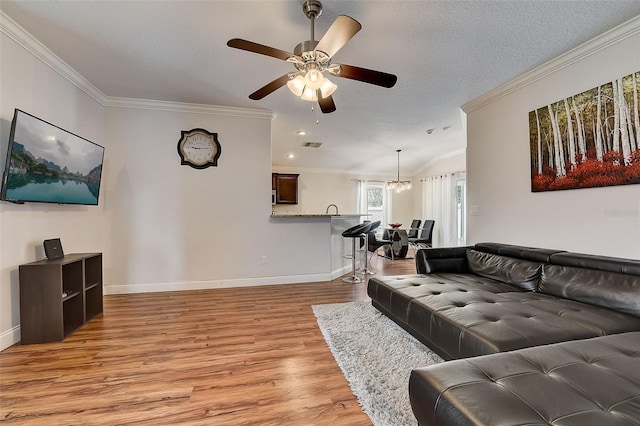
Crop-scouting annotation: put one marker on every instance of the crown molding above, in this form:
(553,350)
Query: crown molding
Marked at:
(116,102)
(591,47)
(24,39)
(15,32)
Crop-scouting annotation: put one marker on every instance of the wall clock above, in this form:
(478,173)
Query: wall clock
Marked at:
(199,148)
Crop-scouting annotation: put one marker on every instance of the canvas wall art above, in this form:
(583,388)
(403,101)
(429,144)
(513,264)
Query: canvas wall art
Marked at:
(591,139)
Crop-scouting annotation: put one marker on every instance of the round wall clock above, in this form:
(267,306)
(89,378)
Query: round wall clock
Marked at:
(199,148)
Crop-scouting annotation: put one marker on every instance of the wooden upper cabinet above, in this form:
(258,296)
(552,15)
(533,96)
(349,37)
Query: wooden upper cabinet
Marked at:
(286,186)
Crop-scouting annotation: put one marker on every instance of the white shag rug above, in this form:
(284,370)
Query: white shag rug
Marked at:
(376,357)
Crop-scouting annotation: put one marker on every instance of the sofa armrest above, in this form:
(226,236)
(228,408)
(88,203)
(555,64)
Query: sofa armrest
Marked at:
(446,259)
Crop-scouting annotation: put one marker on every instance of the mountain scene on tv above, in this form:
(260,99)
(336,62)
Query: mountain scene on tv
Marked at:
(51,165)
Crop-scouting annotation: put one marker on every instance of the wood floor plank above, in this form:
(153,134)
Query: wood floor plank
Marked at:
(251,355)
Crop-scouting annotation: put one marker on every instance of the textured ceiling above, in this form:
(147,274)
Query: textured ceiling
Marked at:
(445,53)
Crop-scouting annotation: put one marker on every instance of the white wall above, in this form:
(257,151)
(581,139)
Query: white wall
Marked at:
(162,225)
(318,189)
(602,221)
(176,227)
(402,205)
(29,84)
(159,225)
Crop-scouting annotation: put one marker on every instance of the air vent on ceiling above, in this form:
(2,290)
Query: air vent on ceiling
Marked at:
(311,144)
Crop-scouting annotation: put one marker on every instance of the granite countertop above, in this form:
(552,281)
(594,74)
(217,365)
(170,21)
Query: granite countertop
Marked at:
(316,215)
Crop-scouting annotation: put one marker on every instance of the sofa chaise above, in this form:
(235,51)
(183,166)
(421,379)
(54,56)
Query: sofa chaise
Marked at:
(592,382)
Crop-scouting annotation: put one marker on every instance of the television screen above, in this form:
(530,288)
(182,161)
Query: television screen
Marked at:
(48,164)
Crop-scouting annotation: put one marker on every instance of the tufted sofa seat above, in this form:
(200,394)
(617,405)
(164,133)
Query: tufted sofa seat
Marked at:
(587,382)
(493,297)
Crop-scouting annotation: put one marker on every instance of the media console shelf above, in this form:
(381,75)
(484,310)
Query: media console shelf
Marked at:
(59,296)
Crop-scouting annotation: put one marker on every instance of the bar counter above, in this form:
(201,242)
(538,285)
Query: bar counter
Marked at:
(339,246)
(318,215)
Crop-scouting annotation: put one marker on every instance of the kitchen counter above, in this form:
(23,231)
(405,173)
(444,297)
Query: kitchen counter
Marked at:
(337,216)
(335,224)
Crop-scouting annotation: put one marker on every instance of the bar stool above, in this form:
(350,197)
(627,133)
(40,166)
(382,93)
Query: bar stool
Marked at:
(355,232)
(365,269)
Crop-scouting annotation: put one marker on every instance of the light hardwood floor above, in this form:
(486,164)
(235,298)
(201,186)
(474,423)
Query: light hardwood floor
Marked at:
(250,355)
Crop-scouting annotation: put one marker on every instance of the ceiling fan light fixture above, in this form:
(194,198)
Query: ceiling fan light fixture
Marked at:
(314,79)
(327,88)
(309,95)
(296,85)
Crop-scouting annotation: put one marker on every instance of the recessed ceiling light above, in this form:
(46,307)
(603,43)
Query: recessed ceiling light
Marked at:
(445,128)
(301,132)
(429,131)
(291,156)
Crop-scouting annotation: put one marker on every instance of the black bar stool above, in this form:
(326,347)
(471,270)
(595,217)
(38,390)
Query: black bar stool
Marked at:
(365,269)
(355,232)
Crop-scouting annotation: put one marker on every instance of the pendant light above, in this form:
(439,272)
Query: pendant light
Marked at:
(399,185)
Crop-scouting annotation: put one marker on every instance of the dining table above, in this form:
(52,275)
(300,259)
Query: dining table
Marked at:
(399,242)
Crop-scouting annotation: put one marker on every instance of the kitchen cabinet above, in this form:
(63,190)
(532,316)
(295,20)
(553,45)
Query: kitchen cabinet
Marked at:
(285,186)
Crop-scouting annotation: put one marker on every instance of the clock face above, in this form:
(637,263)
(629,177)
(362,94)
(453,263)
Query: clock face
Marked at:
(199,148)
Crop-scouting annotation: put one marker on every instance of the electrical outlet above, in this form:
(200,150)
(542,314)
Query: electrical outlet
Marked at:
(263,260)
(475,211)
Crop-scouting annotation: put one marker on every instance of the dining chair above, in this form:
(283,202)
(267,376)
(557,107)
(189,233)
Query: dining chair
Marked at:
(426,235)
(415,227)
(374,244)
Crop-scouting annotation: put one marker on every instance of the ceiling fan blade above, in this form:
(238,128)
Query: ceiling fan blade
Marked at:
(250,46)
(270,87)
(338,34)
(326,104)
(378,78)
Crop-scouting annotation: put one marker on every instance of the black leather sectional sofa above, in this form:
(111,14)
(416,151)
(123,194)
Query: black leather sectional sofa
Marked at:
(592,382)
(507,309)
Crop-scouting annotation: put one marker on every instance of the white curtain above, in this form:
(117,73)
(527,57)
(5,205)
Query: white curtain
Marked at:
(439,204)
(362,204)
(388,206)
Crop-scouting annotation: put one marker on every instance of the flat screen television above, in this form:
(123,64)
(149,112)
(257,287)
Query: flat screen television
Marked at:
(51,165)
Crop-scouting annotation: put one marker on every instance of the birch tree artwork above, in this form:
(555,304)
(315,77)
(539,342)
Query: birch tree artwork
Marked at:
(588,140)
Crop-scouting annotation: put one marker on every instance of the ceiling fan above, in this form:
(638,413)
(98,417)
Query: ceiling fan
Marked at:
(312,58)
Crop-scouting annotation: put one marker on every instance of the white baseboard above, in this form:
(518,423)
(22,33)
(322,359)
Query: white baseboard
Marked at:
(9,337)
(206,285)
(341,271)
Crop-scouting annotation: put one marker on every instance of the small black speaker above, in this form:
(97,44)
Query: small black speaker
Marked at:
(53,248)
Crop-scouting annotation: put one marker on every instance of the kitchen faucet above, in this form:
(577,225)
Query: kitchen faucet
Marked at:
(327,212)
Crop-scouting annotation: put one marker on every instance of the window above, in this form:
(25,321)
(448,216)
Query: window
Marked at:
(376,200)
